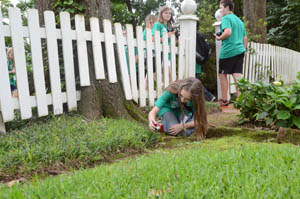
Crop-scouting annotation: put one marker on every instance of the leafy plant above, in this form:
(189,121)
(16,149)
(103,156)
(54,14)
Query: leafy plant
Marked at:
(273,104)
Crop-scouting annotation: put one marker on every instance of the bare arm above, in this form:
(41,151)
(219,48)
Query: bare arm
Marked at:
(151,117)
(245,41)
(227,32)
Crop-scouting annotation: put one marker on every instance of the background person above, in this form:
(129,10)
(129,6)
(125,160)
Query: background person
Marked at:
(234,43)
(12,72)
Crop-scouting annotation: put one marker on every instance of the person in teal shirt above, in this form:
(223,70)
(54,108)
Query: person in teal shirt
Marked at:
(11,72)
(164,21)
(234,44)
(182,108)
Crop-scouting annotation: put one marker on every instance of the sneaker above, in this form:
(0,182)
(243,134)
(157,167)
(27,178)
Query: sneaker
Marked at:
(212,99)
(223,103)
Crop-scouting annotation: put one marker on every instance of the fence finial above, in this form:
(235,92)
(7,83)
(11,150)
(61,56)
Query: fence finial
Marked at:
(188,7)
(218,15)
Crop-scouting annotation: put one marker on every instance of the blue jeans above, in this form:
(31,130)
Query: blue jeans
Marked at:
(208,96)
(169,119)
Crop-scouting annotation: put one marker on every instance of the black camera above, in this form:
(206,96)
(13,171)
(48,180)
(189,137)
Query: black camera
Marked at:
(219,34)
(174,29)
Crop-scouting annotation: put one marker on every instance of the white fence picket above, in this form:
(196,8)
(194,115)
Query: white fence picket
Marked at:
(97,48)
(110,54)
(67,45)
(173,58)
(7,112)
(123,62)
(132,62)
(166,63)
(20,62)
(37,61)
(181,59)
(158,63)
(141,68)
(52,51)
(82,51)
(149,51)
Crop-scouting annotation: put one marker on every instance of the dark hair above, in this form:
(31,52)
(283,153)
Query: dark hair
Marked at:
(194,86)
(229,3)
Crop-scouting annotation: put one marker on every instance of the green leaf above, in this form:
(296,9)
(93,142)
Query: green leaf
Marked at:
(282,123)
(283,115)
(296,121)
(269,121)
(296,107)
(262,116)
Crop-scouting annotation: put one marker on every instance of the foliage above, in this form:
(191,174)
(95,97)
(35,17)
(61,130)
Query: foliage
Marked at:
(71,6)
(69,140)
(229,167)
(270,103)
(284,23)
(132,11)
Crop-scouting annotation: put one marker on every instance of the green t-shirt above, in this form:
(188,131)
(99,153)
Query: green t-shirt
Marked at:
(198,68)
(234,44)
(127,57)
(11,75)
(168,102)
(159,27)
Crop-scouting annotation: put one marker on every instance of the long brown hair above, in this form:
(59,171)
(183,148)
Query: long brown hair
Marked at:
(160,15)
(194,86)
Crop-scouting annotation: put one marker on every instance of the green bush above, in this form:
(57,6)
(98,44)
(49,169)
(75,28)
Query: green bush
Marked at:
(270,103)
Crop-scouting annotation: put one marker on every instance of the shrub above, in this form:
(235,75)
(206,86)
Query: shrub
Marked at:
(270,103)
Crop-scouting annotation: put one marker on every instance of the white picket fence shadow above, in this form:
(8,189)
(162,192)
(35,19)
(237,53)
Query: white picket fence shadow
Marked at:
(34,34)
(267,62)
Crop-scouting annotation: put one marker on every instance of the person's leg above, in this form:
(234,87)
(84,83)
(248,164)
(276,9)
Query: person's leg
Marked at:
(169,119)
(190,131)
(238,70)
(208,96)
(224,85)
(236,76)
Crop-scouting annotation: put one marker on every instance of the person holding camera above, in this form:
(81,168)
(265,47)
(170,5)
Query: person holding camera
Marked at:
(234,44)
(182,108)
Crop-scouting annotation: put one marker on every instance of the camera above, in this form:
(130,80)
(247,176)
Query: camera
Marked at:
(174,29)
(219,34)
(159,127)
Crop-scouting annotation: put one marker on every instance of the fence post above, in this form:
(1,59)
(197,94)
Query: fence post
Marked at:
(188,37)
(2,125)
(217,26)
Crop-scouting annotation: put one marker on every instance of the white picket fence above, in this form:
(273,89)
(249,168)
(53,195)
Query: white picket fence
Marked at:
(34,33)
(263,61)
(267,62)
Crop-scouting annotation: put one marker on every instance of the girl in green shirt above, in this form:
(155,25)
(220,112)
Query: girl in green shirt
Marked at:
(11,72)
(182,108)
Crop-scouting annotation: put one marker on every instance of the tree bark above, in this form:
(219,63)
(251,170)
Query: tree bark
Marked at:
(104,98)
(43,5)
(255,16)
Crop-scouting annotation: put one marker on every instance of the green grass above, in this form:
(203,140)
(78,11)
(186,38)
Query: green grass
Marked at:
(69,141)
(228,167)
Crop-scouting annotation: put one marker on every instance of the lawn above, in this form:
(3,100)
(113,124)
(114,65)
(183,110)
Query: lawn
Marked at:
(227,167)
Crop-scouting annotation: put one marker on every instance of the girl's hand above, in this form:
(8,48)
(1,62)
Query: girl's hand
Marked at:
(171,33)
(175,129)
(152,123)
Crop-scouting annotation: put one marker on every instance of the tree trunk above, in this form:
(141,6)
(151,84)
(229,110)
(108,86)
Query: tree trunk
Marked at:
(255,16)
(43,5)
(104,98)
(101,98)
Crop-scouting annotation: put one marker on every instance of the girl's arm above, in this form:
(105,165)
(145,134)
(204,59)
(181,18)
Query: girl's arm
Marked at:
(151,117)
(12,71)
